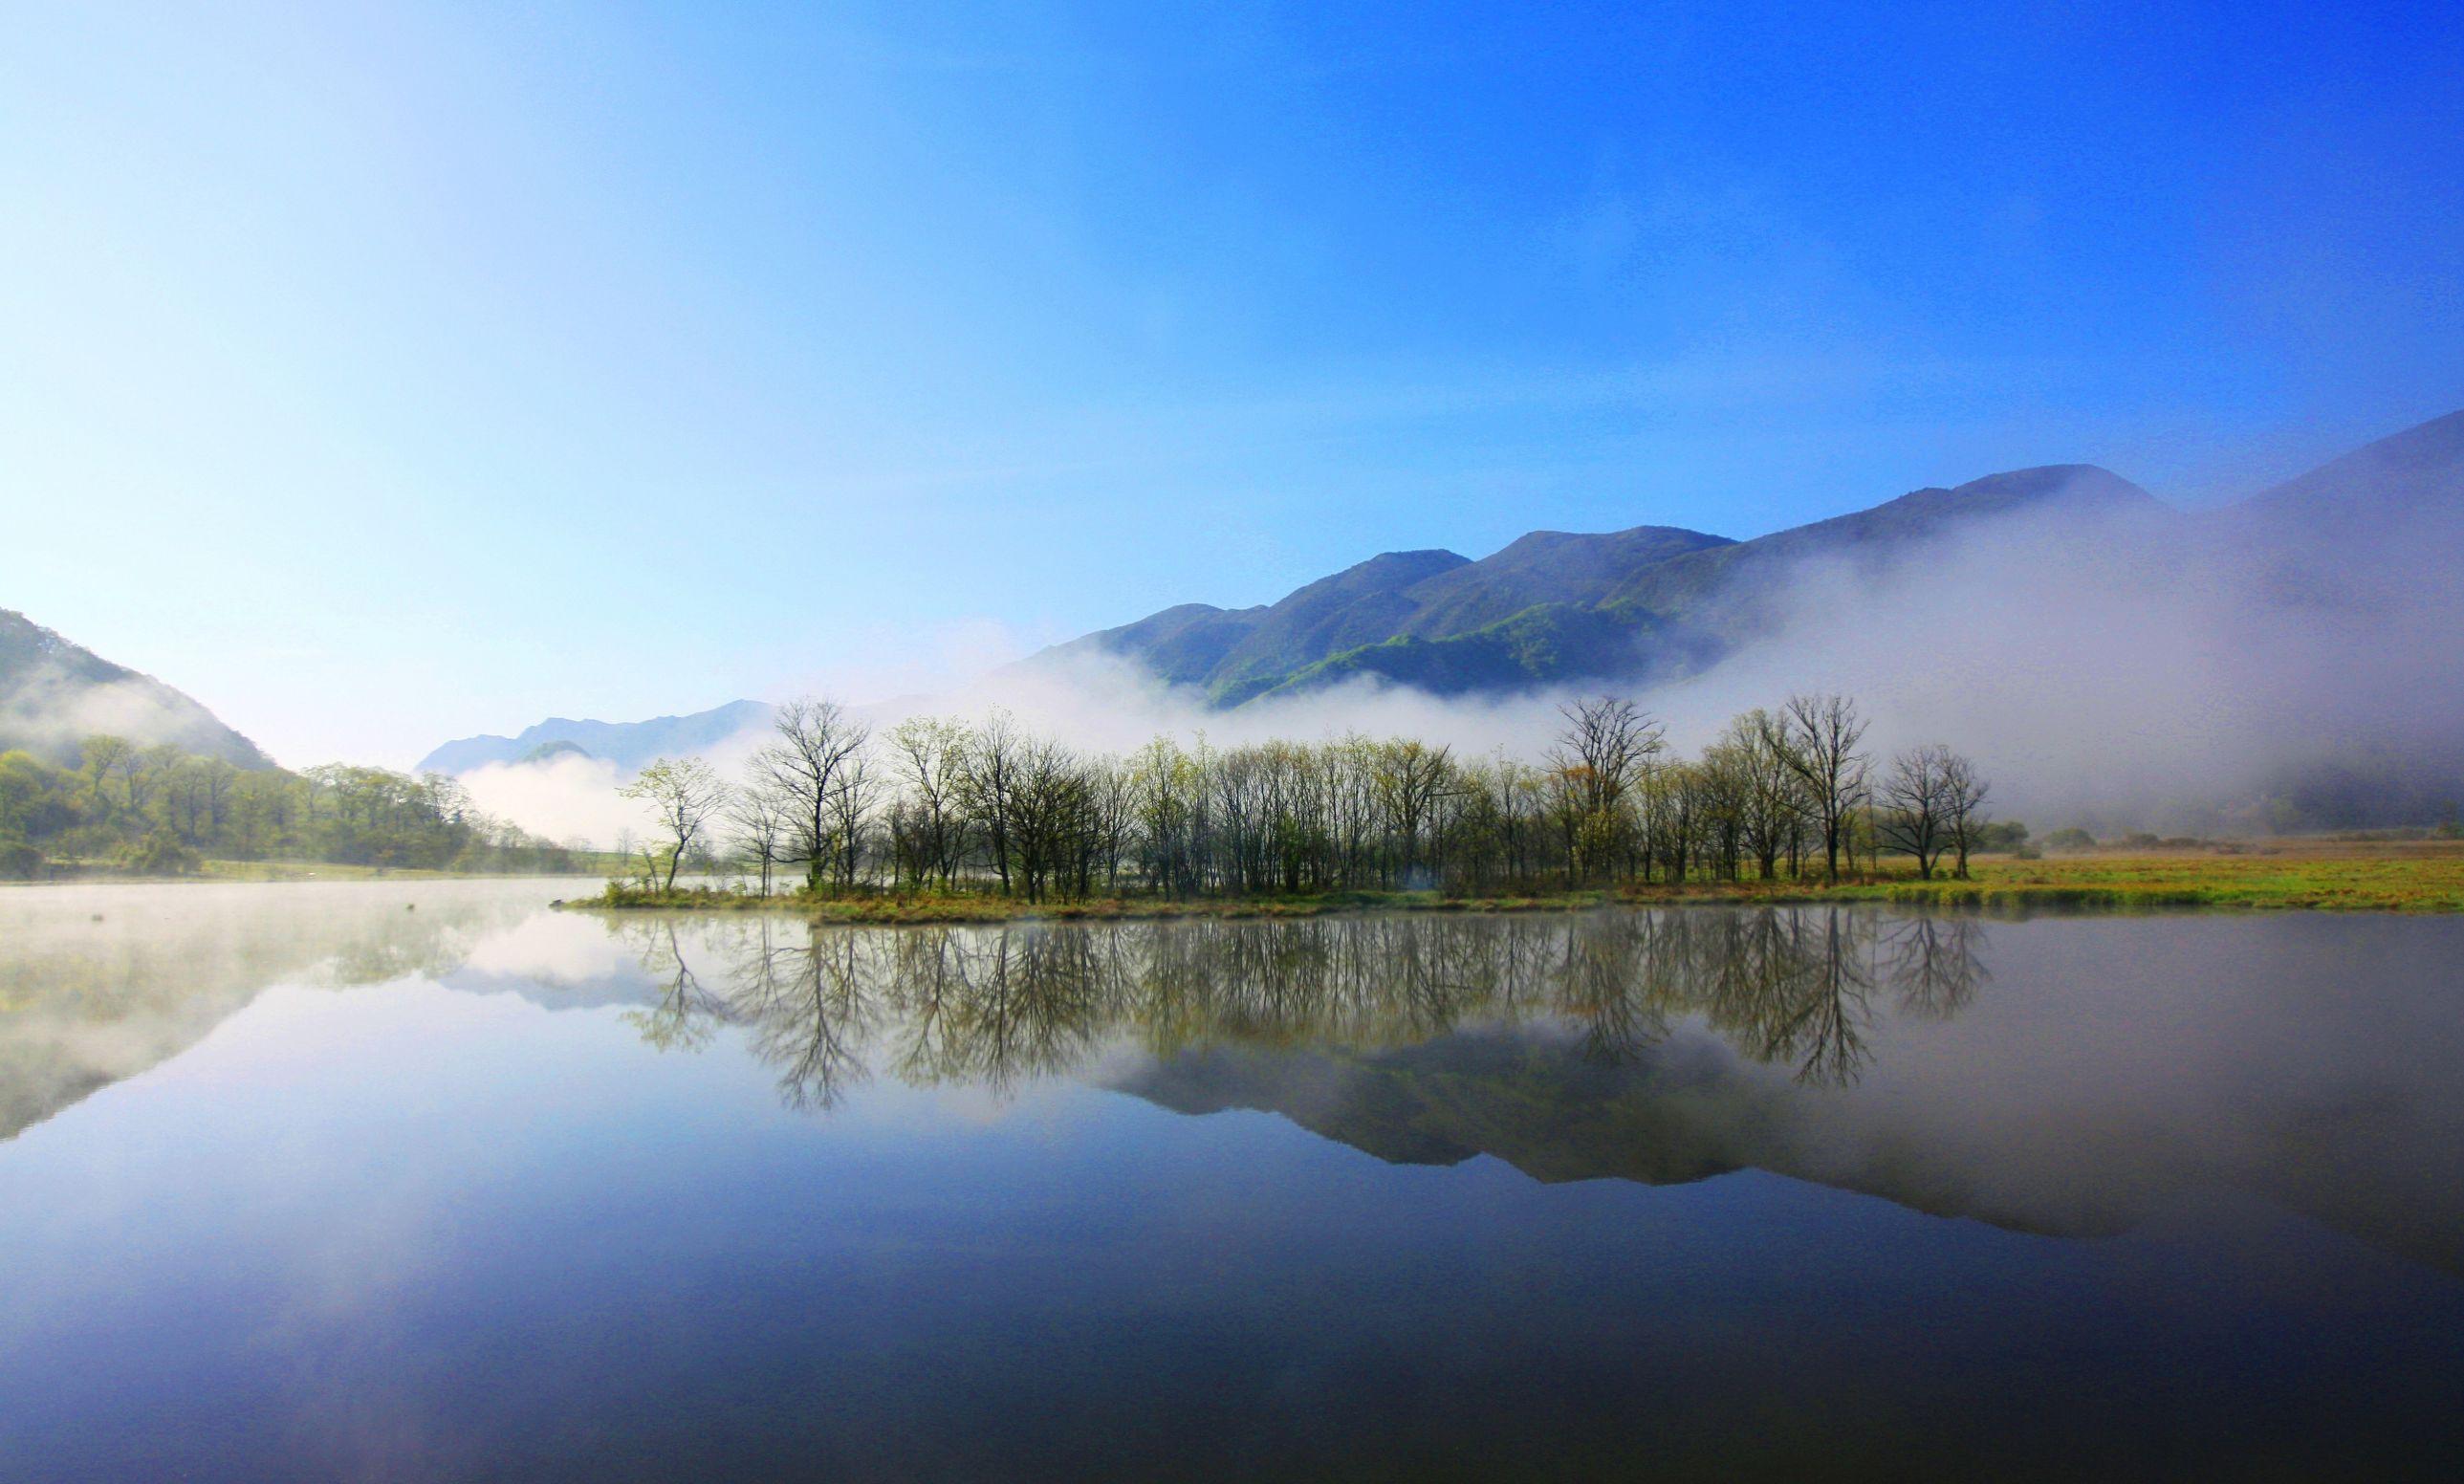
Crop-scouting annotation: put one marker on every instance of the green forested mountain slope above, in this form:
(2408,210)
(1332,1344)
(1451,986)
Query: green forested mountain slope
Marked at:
(1649,603)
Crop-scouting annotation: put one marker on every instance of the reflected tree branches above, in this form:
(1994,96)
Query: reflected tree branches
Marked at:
(998,1006)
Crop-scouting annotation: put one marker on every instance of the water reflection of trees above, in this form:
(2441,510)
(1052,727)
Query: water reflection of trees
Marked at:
(682,1015)
(995,1006)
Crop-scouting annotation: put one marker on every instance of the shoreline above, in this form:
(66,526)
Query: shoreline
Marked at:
(2414,883)
(259,873)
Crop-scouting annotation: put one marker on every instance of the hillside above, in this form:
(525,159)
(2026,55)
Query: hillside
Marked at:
(2396,481)
(1654,604)
(1659,603)
(53,694)
(628,744)
(1647,604)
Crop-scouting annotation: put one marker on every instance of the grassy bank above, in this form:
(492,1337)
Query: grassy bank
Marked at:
(2321,877)
(92,871)
(888,907)
(2327,877)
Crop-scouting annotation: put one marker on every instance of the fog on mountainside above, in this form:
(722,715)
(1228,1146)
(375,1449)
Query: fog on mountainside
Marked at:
(100,764)
(54,694)
(2286,662)
(2110,659)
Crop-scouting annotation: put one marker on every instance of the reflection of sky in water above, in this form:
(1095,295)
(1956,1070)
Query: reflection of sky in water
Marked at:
(406,1229)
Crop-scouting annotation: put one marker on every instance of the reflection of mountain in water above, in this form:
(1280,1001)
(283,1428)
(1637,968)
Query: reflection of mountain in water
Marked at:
(1837,1046)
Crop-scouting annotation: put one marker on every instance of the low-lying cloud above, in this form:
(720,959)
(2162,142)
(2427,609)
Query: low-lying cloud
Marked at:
(565,797)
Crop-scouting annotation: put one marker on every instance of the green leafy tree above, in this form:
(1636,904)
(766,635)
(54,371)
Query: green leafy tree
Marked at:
(685,795)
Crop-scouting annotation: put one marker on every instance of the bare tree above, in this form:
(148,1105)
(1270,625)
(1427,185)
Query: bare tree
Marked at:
(1816,737)
(988,775)
(1412,779)
(1049,815)
(684,794)
(1771,814)
(851,805)
(758,813)
(1962,792)
(818,746)
(929,755)
(1914,817)
(1607,745)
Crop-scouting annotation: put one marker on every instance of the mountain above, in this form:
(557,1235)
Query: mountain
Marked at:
(53,694)
(1681,1110)
(628,744)
(1536,1102)
(1647,603)
(1732,592)
(2417,474)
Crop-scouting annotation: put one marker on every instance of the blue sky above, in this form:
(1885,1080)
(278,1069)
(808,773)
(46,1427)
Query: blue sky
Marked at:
(381,374)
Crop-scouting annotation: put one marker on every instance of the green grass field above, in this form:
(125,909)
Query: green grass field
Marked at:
(2391,878)
(265,871)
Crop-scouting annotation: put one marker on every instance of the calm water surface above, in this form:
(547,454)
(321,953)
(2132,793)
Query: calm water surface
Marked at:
(407,1181)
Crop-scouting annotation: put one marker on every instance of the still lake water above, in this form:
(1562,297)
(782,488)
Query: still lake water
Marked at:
(403,1181)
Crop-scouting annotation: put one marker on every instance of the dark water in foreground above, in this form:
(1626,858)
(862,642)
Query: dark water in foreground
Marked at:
(295,1182)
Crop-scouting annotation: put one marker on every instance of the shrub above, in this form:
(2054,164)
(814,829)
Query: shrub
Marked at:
(163,854)
(2071,839)
(2002,834)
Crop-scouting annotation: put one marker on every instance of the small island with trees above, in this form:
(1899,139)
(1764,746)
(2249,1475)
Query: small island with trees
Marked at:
(938,819)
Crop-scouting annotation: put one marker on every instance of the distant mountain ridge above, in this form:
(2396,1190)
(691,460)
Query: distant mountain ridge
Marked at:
(1656,602)
(628,744)
(54,694)
(2414,473)
(1649,603)
(1659,603)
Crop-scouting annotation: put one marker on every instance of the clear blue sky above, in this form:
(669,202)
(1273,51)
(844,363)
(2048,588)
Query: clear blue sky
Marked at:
(385,374)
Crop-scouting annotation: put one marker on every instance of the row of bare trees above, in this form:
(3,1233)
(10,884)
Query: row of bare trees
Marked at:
(945,805)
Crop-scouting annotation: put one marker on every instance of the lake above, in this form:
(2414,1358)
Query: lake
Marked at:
(410,1180)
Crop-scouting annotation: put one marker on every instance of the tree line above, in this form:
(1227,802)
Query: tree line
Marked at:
(943,804)
(160,810)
